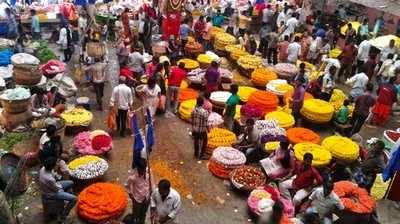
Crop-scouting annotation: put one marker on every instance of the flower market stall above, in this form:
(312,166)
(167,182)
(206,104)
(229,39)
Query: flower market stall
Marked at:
(87,167)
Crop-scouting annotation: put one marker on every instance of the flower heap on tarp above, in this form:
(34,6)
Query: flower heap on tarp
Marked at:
(101,202)
(186,108)
(87,167)
(264,100)
(317,111)
(354,198)
(219,137)
(250,62)
(190,64)
(237,53)
(215,120)
(77,117)
(261,76)
(245,92)
(321,156)
(269,130)
(204,59)
(222,39)
(224,160)
(342,148)
(299,135)
(93,143)
(285,70)
(187,94)
(283,119)
(279,87)
(248,177)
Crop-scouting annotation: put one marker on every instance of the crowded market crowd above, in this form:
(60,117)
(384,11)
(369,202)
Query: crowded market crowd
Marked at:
(256,81)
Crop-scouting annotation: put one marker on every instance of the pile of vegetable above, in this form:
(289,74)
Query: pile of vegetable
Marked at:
(44,53)
(8,140)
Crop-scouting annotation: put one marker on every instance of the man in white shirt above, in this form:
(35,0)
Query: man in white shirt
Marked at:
(267,14)
(165,203)
(136,61)
(294,50)
(363,51)
(328,83)
(324,202)
(331,62)
(384,70)
(291,25)
(98,73)
(359,82)
(121,101)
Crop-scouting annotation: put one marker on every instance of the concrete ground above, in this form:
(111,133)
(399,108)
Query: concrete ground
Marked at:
(205,198)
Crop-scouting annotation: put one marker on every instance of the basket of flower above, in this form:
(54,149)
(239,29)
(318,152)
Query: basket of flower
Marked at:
(284,119)
(317,111)
(186,108)
(93,143)
(285,70)
(321,156)
(247,178)
(237,53)
(15,100)
(215,120)
(216,30)
(219,137)
(249,112)
(341,148)
(224,160)
(269,131)
(232,47)
(248,63)
(100,202)
(95,49)
(87,167)
(299,135)
(261,76)
(264,100)
(77,119)
(204,60)
(219,98)
(190,64)
(222,39)
(279,87)
(337,99)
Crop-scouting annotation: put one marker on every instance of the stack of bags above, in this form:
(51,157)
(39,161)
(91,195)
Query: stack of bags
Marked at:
(224,160)
(341,148)
(317,111)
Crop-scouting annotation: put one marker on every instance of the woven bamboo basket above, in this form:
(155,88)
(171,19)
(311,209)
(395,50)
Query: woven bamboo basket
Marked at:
(96,50)
(15,106)
(27,74)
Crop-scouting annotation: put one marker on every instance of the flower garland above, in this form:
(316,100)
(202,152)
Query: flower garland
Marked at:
(189,63)
(222,39)
(261,76)
(102,201)
(284,120)
(250,111)
(321,156)
(264,100)
(250,62)
(77,117)
(354,198)
(186,108)
(285,70)
(299,135)
(341,148)
(317,111)
(219,137)
(279,87)
(187,94)
(204,58)
(224,160)
(87,167)
(237,53)
(245,92)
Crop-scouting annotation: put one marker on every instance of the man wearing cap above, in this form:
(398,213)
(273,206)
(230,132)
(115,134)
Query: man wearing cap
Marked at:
(121,101)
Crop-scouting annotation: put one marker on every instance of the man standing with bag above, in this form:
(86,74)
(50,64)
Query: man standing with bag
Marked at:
(98,74)
(121,101)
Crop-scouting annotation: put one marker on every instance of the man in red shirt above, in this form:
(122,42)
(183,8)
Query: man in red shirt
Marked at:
(347,58)
(174,82)
(304,180)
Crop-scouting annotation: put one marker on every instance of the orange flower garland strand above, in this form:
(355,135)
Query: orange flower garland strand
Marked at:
(299,135)
(354,198)
(187,94)
(264,100)
(102,201)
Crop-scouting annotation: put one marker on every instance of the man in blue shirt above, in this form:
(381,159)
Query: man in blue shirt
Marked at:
(35,25)
(218,19)
(184,31)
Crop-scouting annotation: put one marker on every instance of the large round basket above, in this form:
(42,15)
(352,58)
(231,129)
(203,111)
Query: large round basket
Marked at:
(255,171)
(8,168)
(27,74)
(96,50)
(139,90)
(15,106)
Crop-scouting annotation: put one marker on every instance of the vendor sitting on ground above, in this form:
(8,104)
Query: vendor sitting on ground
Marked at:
(280,163)
(365,175)
(305,178)
(40,104)
(342,116)
(324,202)
(248,142)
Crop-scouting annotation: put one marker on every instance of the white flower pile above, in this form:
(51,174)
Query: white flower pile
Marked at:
(90,170)
(268,127)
